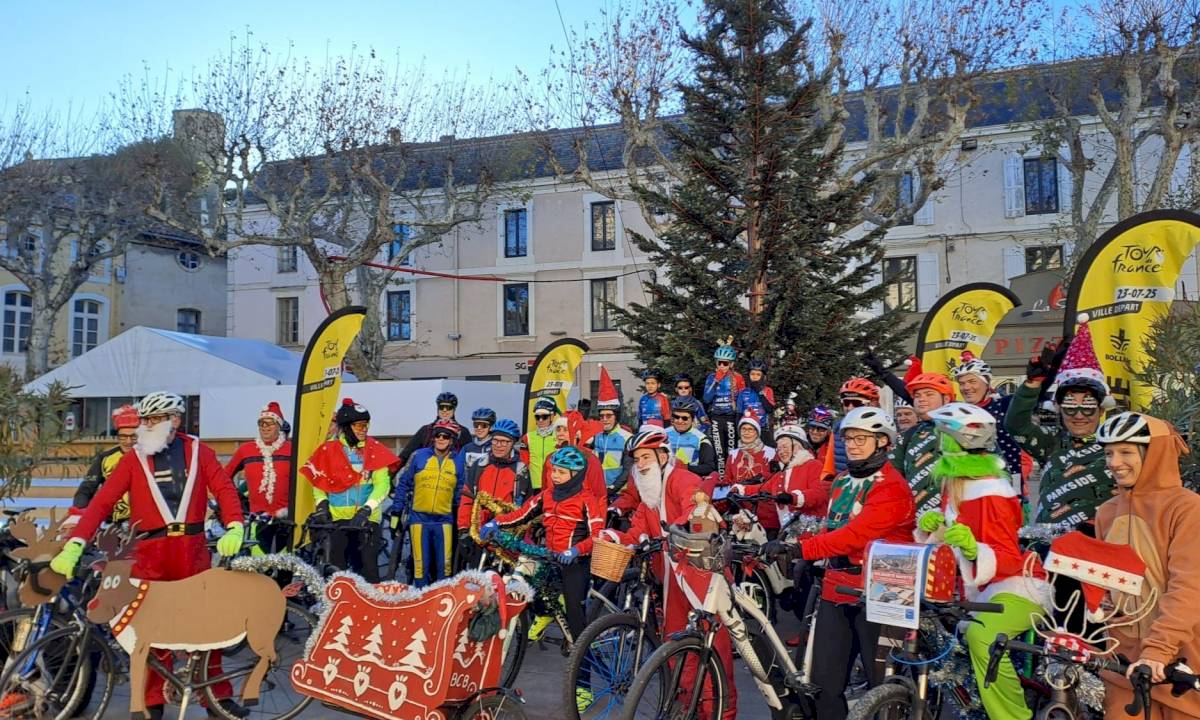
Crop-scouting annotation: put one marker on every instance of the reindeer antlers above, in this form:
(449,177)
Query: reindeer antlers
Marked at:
(115,542)
(37,542)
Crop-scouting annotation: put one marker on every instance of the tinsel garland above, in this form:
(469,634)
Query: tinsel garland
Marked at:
(1045,532)
(1091,691)
(509,546)
(800,526)
(302,571)
(955,670)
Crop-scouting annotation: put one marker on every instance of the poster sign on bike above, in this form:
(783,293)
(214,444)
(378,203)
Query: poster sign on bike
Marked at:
(895,583)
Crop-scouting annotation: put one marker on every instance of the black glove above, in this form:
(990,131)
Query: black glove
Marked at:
(784,498)
(321,514)
(780,548)
(873,363)
(1040,366)
(361,519)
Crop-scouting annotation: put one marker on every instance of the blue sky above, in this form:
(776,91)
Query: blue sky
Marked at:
(71,52)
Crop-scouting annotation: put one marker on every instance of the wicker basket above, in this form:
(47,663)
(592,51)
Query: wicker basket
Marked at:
(609,560)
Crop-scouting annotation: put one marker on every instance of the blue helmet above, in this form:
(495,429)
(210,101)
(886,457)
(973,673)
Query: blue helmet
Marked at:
(485,414)
(447,398)
(687,404)
(507,428)
(546,404)
(757,364)
(725,352)
(569,458)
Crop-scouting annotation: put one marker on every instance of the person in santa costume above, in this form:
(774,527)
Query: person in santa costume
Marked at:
(869,501)
(1160,519)
(1074,481)
(125,421)
(798,484)
(664,492)
(169,477)
(750,464)
(350,480)
(916,454)
(979,518)
(267,463)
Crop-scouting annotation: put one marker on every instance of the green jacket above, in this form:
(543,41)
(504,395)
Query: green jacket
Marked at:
(915,455)
(1074,480)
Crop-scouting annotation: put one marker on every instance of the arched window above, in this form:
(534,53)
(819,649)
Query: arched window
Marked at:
(86,325)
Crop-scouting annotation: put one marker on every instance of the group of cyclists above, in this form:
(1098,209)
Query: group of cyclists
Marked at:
(933,469)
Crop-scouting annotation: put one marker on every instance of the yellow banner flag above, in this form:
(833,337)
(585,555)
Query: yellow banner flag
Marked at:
(317,391)
(552,375)
(1125,282)
(962,319)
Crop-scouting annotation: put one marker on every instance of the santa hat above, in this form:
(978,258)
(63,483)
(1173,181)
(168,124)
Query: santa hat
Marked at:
(272,411)
(125,417)
(913,363)
(749,419)
(607,396)
(1099,567)
(1080,366)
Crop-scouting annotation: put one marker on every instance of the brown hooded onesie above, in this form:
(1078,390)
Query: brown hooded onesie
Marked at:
(1161,520)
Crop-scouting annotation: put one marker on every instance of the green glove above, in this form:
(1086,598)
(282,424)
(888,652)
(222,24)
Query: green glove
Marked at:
(65,561)
(231,542)
(931,521)
(961,537)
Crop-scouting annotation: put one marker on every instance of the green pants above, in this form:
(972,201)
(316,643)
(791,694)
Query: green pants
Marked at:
(1003,699)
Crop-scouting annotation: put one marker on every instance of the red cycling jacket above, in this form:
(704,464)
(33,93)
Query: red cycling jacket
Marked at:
(810,494)
(571,522)
(496,478)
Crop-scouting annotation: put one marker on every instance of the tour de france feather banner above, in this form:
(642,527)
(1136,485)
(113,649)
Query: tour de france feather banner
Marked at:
(552,375)
(1124,282)
(317,389)
(962,319)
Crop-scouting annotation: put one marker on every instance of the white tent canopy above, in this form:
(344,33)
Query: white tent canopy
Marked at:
(142,360)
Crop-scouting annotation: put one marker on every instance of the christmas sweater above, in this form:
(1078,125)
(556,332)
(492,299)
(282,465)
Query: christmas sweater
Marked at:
(810,494)
(610,448)
(861,511)
(915,456)
(721,391)
(653,409)
(753,466)
(991,508)
(997,406)
(268,492)
(1074,481)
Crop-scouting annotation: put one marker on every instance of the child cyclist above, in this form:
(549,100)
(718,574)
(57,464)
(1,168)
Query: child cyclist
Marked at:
(980,517)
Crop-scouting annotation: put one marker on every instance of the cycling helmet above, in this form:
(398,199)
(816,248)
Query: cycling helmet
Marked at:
(756,364)
(652,438)
(971,365)
(568,457)
(447,398)
(972,427)
(725,351)
(860,387)
(684,377)
(507,428)
(792,431)
(160,403)
(485,414)
(871,419)
(652,373)
(444,427)
(1129,427)
(899,402)
(125,417)
(687,404)
(933,381)
(546,404)
(351,412)
(1091,385)
(820,417)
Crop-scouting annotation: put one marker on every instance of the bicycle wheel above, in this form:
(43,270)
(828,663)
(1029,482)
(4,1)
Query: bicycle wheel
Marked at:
(516,639)
(602,666)
(277,698)
(496,706)
(49,678)
(890,701)
(673,685)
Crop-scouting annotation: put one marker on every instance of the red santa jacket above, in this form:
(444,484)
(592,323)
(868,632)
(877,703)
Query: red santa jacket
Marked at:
(886,512)
(265,497)
(571,522)
(134,474)
(330,471)
(678,500)
(754,466)
(810,494)
(593,479)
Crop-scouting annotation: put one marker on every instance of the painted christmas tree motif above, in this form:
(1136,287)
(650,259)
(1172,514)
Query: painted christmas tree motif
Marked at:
(461,650)
(414,661)
(373,646)
(339,643)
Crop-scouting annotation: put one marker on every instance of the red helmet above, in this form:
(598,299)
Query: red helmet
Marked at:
(444,427)
(125,417)
(935,381)
(860,387)
(651,438)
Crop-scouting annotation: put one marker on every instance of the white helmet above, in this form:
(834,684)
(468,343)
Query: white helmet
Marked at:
(1127,427)
(871,419)
(972,365)
(970,425)
(794,432)
(160,403)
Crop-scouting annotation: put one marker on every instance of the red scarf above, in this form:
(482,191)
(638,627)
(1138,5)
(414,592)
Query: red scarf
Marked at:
(330,471)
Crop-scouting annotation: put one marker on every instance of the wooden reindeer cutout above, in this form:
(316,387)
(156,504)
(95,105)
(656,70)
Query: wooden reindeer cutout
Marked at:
(40,547)
(213,609)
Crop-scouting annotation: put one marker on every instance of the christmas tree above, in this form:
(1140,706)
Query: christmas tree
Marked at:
(342,638)
(414,660)
(759,247)
(373,649)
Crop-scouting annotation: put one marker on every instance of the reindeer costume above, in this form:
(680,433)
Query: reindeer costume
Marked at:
(1160,519)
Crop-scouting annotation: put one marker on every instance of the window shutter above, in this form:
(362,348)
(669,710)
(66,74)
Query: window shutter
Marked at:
(1014,262)
(924,214)
(1014,186)
(1064,185)
(928,285)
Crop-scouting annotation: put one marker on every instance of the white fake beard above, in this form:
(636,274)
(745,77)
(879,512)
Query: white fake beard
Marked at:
(649,485)
(152,440)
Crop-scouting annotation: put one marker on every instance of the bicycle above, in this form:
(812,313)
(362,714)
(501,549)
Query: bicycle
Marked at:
(764,581)
(50,671)
(612,647)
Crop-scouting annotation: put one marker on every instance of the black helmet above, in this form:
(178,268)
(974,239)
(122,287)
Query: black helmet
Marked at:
(448,398)
(757,364)
(652,373)
(687,404)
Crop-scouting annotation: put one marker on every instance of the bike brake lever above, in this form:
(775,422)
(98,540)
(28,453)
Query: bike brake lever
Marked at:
(1140,703)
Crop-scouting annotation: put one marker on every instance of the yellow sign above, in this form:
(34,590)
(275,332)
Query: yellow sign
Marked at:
(962,319)
(317,391)
(552,375)
(1125,282)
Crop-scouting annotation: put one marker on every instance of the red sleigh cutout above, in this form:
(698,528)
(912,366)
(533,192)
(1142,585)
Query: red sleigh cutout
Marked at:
(390,651)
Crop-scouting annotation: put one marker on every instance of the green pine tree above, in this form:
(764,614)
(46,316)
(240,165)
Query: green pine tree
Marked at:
(1173,370)
(755,169)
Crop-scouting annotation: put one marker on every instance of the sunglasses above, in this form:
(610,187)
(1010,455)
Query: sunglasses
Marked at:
(266,423)
(723,363)
(443,434)
(542,416)
(681,388)
(483,424)
(445,407)
(1083,410)
(681,418)
(853,403)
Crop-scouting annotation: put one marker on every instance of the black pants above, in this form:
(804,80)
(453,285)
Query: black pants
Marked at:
(842,634)
(577,578)
(356,550)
